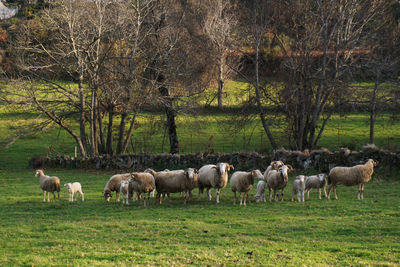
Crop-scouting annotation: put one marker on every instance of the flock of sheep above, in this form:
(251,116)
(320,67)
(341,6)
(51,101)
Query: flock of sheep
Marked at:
(216,176)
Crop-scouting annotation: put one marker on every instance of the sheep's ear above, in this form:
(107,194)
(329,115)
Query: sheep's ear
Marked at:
(231,166)
(196,170)
(214,167)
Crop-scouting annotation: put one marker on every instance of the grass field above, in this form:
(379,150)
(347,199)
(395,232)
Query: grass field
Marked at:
(96,233)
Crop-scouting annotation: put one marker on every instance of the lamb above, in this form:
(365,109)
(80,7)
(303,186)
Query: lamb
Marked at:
(114,184)
(243,182)
(298,188)
(48,184)
(348,176)
(277,180)
(316,181)
(260,195)
(124,190)
(215,176)
(174,181)
(74,188)
(142,182)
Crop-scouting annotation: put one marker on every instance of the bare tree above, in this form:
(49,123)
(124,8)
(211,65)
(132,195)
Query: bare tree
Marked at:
(220,21)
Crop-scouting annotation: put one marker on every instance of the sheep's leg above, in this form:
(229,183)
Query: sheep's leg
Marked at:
(263,196)
(158,198)
(334,191)
(217,191)
(58,195)
(44,196)
(298,196)
(118,196)
(319,191)
(54,195)
(325,191)
(270,194)
(83,197)
(302,196)
(362,191)
(241,198)
(282,195)
(292,196)
(308,193)
(209,193)
(245,197)
(329,192)
(234,197)
(48,196)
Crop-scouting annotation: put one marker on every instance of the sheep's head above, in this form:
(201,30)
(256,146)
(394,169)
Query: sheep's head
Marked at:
(68,186)
(257,174)
(38,173)
(276,164)
(284,172)
(107,195)
(132,178)
(374,162)
(322,176)
(192,174)
(301,178)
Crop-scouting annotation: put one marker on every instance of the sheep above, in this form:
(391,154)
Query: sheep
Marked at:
(174,181)
(274,165)
(215,176)
(114,184)
(124,190)
(277,180)
(142,182)
(316,181)
(74,188)
(348,176)
(260,195)
(243,182)
(48,184)
(298,188)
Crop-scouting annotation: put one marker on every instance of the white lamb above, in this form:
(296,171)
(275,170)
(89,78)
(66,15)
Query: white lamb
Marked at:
(124,190)
(298,188)
(260,195)
(318,181)
(74,188)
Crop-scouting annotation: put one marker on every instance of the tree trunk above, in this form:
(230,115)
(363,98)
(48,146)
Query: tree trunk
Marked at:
(121,133)
(129,134)
(373,113)
(93,130)
(258,99)
(82,108)
(169,111)
(221,81)
(109,142)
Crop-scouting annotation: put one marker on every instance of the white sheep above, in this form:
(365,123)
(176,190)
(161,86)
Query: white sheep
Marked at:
(274,165)
(174,182)
(318,181)
(348,176)
(298,188)
(213,176)
(260,195)
(242,182)
(277,180)
(124,190)
(49,184)
(142,182)
(72,189)
(114,184)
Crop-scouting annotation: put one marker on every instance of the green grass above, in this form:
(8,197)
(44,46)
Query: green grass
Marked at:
(94,233)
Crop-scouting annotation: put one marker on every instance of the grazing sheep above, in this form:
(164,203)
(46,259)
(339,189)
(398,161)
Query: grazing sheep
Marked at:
(277,180)
(215,176)
(298,188)
(260,195)
(316,181)
(348,176)
(74,188)
(48,184)
(124,190)
(142,182)
(114,184)
(243,182)
(174,182)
